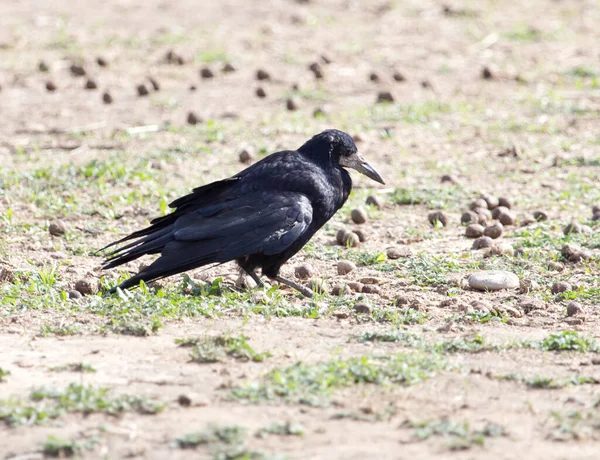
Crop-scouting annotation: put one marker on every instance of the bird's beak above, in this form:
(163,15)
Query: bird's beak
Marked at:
(357,162)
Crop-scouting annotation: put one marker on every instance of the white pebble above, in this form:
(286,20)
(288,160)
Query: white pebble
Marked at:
(493,280)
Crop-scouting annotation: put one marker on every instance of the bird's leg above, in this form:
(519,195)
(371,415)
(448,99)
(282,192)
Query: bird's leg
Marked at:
(301,289)
(255,277)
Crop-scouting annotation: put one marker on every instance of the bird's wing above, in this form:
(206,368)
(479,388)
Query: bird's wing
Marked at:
(267,222)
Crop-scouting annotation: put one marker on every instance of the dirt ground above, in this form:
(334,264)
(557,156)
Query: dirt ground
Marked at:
(501,98)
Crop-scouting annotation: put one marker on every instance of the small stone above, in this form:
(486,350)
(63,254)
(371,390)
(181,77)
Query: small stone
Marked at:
(397,253)
(573,253)
(228,68)
(77,70)
(482,242)
(338,290)
(316,69)
(351,240)
(358,215)
(596,209)
(341,235)
(142,90)
(43,67)
(303,271)
(107,98)
(596,216)
(494,231)
(355,286)
(91,84)
(362,308)
(184,400)
(560,286)
(361,234)
(555,266)
(102,62)
(507,218)
(192,88)
(370,280)
(385,96)
(293,103)
(574,308)
(578,256)
(246,156)
(371,289)
(86,286)
(469,217)
(492,201)
(154,83)
(74,295)
(527,285)
(344,267)
(486,73)
(374,200)
(493,280)
(261,93)
(500,250)
(506,202)
(573,227)
(50,86)
(484,215)
(448,178)
(474,231)
(479,203)
(57,228)
(499,210)
(206,73)
(374,76)
(193,119)
(540,216)
(262,75)
(437,218)
(398,76)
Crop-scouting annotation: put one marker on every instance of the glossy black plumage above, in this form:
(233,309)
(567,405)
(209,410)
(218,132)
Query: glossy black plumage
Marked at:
(260,217)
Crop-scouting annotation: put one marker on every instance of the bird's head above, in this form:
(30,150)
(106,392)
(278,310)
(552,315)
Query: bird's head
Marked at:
(342,151)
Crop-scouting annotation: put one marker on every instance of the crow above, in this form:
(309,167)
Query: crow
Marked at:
(260,217)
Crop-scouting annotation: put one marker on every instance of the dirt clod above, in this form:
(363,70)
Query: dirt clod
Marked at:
(371,289)
(437,218)
(448,178)
(385,96)
(262,74)
(397,253)
(206,72)
(57,228)
(77,70)
(528,285)
(228,67)
(246,156)
(474,231)
(355,286)
(358,215)
(292,103)
(317,70)
(499,210)
(193,119)
(479,203)
(540,216)
(469,217)
(50,86)
(574,308)
(486,73)
(362,308)
(398,76)
(507,218)
(494,231)
(260,93)
(492,201)
(142,90)
(374,76)
(86,286)
(362,236)
(304,271)
(101,61)
(345,266)
(375,201)
(107,98)
(73,294)
(506,202)
(43,67)
(91,84)
(351,240)
(482,242)
(560,286)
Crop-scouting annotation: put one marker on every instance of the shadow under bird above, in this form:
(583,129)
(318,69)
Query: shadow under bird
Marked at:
(260,217)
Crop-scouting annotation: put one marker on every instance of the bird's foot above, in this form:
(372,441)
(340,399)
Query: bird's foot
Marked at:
(301,289)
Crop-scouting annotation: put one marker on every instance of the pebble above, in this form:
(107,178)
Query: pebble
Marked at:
(560,286)
(91,84)
(507,218)
(304,271)
(494,231)
(102,62)
(397,253)
(338,290)
(482,242)
(362,237)
(596,209)
(246,156)
(142,90)
(293,103)
(474,231)
(479,203)
(345,266)
(43,67)
(498,210)
(57,228)
(74,295)
(596,216)
(486,73)
(448,178)
(437,218)
(374,200)
(206,72)
(385,96)
(261,93)
(358,215)
(371,289)
(574,308)
(351,239)
(355,286)
(340,236)
(6,275)
(575,227)
(86,286)
(370,280)
(492,201)
(540,216)
(493,280)
(555,266)
(228,67)
(399,76)
(107,98)
(469,217)
(193,119)
(484,214)
(506,202)
(362,308)
(262,75)
(574,253)
(374,76)
(77,70)
(50,86)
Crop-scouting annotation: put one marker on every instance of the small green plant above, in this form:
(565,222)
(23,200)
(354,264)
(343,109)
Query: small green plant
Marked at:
(215,349)
(567,341)
(459,435)
(281,429)
(74,367)
(231,434)
(3,374)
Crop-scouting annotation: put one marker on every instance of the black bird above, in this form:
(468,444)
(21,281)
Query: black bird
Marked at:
(260,217)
